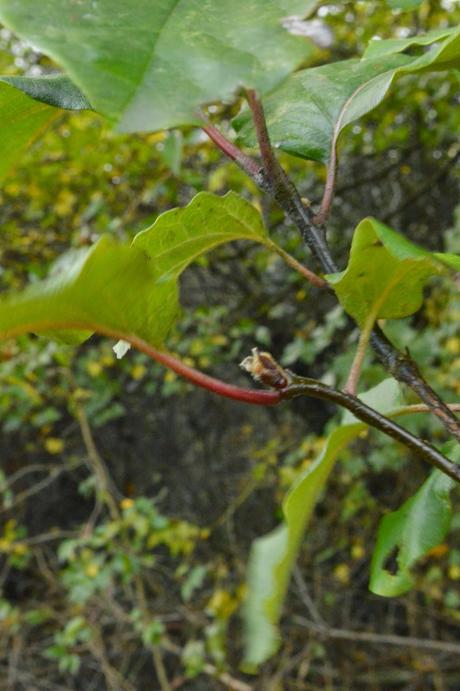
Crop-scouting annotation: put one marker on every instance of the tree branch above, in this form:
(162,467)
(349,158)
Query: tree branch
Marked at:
(301,386)
(399,365)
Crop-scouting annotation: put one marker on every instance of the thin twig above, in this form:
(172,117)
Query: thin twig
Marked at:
(306,598)
(160,669)
(230,682)
(379,639)
(35,489)
(104,481)
(291,261)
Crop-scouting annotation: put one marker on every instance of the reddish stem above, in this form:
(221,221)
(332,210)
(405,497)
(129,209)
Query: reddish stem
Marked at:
(329,190)
(217,386)
(248,164)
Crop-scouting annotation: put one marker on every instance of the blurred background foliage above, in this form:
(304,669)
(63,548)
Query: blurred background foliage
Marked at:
(129,500)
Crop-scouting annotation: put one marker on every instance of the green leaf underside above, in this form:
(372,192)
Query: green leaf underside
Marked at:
(307,113)
(131,290)
(419,525)
(386,274)
(273,556)
(53,90)
(151,65)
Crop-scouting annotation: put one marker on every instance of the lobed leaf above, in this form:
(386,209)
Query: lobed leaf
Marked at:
(419,525)
(131,290)
(151,65)
(273,556)
(308,112)
(386,274)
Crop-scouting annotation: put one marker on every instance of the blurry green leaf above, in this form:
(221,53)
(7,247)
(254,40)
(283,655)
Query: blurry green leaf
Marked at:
(386,274)
(273,556)
(172,151)
(26,111)
(153,632)
(193,581)
(419,525)
(151,65)
(445,54)
(404,4)
(108,288)
(193,658)
(22,120)
(308,111)
(122,291)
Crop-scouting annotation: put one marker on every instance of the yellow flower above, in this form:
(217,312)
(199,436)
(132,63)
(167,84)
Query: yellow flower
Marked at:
(54,445)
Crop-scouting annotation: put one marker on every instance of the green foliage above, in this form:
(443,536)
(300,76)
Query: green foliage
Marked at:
(124,291)
(142,67)
(307,113)
(404,5)
(386,274)
(411,531)
(274,555)
(126,567)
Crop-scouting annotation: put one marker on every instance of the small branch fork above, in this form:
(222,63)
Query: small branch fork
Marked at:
(300,386)
(271,179)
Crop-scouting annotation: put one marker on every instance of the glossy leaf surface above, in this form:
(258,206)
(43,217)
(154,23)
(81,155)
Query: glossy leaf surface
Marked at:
(151,65)
(386,274)
(273,556)
(307,113)
(419,525)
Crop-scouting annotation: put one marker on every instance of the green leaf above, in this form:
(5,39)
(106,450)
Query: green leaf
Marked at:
(386,274)
(25,111)
(419,525)
(179,236)
(124,290)
(404,5)
(151,65)
(54,90)
(307,113)
(446,52)
(22,120)
(273,556)
(91,293)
